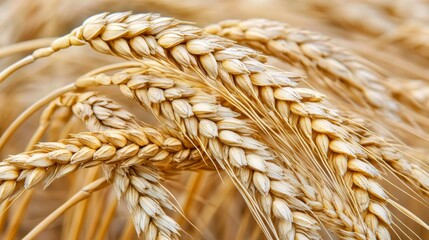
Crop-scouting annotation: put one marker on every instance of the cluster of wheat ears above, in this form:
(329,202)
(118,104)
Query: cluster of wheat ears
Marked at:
(306,151)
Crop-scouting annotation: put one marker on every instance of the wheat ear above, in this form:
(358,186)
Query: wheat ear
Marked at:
(339,219)
(146,200)
(408,35)
(99,113)
(88,149)
(152,36)
(349,76)
(53,160)
(413,91)
(309,50)
(316,54)
(141,88)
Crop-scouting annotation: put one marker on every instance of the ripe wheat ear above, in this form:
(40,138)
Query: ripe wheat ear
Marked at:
(163,39)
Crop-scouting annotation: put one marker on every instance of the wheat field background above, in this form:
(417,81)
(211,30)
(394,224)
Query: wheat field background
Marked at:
(257,119)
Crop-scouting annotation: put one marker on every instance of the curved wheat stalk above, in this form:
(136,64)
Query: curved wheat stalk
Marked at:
(83,194)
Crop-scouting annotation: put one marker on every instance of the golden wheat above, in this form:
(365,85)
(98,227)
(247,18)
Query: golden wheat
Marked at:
(171,34)
(298,162)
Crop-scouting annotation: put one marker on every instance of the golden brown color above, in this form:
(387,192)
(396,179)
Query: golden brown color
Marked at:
(323,151)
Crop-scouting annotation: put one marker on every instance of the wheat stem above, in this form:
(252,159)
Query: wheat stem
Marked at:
(31,110)
(27,196)
(16,66)
(128,230)
(80,211)
(103,227)
(24,46)
(94,218)
(83,194)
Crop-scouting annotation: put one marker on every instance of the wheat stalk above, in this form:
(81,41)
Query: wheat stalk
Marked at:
(83,194)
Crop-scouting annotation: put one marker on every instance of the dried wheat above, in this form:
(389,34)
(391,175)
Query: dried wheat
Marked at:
(148,35)
(53,160)
(346,225)
(146,200)
(350,77)
(312,50)
(408,35)
(415,92)
(316,54)
(215,57)
(97,112)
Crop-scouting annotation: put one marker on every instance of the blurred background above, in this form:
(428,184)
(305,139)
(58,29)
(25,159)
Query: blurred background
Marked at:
(392,34)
